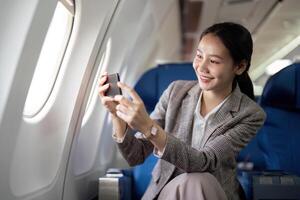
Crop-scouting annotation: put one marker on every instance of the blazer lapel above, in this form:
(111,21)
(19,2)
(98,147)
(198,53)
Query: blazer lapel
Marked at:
(226,113)
(188,108)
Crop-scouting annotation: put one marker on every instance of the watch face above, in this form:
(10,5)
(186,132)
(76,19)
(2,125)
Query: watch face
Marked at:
(154,130)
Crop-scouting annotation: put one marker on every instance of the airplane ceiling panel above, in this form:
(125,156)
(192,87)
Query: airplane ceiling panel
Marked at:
(276,36)
(246,12)
(274,25)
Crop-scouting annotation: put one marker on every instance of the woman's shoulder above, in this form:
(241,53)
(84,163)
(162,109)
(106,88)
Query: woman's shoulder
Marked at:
(184,84)
(180,88)
(250,106)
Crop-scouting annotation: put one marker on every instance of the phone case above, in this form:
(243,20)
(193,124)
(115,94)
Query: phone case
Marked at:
(113,89)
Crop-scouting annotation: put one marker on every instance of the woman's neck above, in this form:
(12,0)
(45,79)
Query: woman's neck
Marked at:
(210,99)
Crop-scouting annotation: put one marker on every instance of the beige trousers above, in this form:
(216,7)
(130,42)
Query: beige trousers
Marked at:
(190,186)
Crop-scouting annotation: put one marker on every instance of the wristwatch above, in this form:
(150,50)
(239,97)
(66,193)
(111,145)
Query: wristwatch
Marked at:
(153,132)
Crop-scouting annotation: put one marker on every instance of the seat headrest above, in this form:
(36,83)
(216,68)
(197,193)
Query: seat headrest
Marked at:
(154,81)
(282,90)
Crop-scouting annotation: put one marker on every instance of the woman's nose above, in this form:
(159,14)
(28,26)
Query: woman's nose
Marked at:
(200,65)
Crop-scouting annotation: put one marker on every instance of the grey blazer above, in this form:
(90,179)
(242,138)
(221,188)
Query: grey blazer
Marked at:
(234,125)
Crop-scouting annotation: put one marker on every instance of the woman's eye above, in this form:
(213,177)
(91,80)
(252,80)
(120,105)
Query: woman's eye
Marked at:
(199,56)
(214,62)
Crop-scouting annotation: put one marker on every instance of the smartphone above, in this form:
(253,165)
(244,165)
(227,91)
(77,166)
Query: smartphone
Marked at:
(113,89)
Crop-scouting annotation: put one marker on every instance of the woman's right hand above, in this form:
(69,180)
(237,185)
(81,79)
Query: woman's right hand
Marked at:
(107,101)
(119,125)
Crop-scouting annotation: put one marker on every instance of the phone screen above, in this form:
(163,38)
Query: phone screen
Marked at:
(113,89)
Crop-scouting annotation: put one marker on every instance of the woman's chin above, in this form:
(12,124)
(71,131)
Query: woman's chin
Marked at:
(204,86)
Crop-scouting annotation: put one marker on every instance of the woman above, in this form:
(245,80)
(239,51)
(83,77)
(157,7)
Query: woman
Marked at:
(198,127)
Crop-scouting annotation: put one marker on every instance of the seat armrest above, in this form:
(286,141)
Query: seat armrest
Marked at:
(114,185)
(245,179)
(276,186)
(269,184)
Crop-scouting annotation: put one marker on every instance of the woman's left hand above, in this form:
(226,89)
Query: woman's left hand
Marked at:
(133,112)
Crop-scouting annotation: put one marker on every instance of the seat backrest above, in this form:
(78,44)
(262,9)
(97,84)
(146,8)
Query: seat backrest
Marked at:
(154,81)
(279,137)
(150,87)
(251,157)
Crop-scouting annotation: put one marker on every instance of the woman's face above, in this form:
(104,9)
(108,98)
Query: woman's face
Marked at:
(214,65)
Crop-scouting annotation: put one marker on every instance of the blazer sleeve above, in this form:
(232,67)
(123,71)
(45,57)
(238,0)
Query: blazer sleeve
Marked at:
(135,150)
(218,151)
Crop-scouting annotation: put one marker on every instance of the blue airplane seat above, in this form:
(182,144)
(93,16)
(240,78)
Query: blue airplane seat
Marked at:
(150,87)
(154,81)
(251,157)
(279,138)
(275,149)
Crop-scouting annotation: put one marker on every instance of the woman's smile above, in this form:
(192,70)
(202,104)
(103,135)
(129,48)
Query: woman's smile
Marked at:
(205,78)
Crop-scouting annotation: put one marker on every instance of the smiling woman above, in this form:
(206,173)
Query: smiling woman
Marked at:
(223,59)
(214,65)
(224,120)
(186,61)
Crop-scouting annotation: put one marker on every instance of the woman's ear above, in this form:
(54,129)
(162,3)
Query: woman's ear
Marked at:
(241,67)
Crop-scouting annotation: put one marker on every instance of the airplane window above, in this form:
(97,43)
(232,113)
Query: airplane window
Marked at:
(50,58)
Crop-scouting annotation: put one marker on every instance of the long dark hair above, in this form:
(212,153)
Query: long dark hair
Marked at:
(237,39)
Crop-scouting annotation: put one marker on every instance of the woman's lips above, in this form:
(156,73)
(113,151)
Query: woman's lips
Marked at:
(205,79)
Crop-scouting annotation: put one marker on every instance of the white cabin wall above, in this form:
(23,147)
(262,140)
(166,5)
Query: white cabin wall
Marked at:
(61,152)
(126,47)
(159,38)
(25,24)
(35,151)
(169,34)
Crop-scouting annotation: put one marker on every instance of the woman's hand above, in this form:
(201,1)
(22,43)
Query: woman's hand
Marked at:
(133,112)
(119,126)
(107,101)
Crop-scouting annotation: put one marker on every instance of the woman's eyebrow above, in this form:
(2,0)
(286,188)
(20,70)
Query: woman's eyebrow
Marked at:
(211,55)
(220,57)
